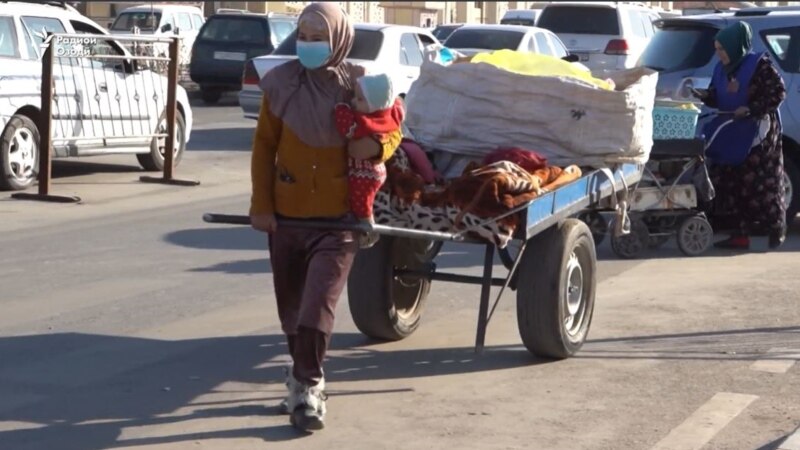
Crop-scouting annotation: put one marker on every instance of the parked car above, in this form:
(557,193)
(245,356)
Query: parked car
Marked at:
(607,36)
(229,39)
(393,49)
(683,52)
(162,20)
(442,32)
(472,39)
(526,17)
(88,102)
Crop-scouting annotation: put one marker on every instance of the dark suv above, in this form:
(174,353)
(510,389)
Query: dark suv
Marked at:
(683,52)
(229,39)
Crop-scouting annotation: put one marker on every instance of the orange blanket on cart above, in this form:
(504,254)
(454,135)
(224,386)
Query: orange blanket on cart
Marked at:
(469,202)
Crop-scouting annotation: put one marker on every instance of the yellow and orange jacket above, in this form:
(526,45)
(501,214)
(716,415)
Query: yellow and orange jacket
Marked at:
(295,180)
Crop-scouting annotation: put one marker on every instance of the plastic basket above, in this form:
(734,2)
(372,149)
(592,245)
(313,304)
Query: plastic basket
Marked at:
(674,123)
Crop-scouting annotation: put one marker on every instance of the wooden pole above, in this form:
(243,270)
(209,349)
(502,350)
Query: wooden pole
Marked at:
(172,107)
(46,120)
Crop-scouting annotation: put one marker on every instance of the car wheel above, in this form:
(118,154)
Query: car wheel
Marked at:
(211,96)
(154,161)
(19,153)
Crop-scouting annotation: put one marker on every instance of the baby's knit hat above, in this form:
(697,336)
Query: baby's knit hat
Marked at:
(378,91)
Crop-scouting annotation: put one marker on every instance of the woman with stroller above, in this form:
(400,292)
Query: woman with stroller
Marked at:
(299,171)
(747,156)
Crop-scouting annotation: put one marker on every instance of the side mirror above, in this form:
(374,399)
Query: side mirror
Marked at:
(166,27)
(571,58)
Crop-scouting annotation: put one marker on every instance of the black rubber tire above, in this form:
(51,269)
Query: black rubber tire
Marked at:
(632,245)
(7,181)
(154,161)
(542,297)
(793,173)
(597,224)
(382,306)
(210,96)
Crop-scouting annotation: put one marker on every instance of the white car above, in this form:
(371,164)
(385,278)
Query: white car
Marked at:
(162,20)
(472,39)
(109,104)
(607,36)
(393,49)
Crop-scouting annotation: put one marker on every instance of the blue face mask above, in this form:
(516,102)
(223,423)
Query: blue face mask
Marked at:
(313,55)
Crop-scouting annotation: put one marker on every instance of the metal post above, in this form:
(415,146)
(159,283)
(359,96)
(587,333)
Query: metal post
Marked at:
(486,291)
(45,124)
(171,116)
(172,107)
(46,121)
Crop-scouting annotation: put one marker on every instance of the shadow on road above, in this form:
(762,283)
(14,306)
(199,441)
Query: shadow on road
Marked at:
(671,251)
(221,139)
(219,238)
(725,345)
(83,391)
(77,168)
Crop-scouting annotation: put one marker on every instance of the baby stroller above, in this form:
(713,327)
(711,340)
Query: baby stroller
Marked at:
(671,198)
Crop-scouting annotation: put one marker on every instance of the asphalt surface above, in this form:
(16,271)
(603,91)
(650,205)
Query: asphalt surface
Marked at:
(126,322)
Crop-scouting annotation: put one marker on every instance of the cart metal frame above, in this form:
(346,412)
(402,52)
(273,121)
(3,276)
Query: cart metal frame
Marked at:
(592,191)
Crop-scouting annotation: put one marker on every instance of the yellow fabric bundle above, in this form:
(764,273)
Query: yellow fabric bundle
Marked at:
(534,64)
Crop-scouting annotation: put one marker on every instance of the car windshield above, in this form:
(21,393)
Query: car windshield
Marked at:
(366,45)
(235,30)
(443,32)
(679,48)
(580,20)
(485,39)
(282,28)
(144,20)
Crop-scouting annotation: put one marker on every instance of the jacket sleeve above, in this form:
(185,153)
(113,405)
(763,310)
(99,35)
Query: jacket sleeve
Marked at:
(767,90)
(262,164)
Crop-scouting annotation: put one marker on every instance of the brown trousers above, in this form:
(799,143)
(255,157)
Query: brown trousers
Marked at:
(310,268)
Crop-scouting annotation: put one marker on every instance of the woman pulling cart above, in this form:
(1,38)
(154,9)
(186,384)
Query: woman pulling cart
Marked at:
(299,171)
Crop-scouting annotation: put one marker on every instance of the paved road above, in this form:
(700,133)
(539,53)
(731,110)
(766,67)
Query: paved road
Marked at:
(127,322)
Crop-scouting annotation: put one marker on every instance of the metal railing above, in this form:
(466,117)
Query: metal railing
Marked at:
(97,94)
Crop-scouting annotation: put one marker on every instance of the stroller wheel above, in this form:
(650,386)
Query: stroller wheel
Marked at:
(695,235)
(631,245)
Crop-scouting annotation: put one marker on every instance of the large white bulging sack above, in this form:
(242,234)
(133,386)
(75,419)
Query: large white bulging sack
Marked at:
(472,109)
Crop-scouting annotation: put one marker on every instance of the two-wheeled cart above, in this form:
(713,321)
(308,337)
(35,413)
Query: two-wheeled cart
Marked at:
(551,263)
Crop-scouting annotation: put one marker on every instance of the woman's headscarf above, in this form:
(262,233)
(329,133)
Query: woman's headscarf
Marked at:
(736,39)
(304,99)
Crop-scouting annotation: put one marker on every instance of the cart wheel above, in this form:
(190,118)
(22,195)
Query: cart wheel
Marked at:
(695,235)
(597,224)
(384,307)
(555,301)
(631,245)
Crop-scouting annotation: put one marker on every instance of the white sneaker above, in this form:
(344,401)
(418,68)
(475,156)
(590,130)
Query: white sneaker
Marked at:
(306,405)
(283,408)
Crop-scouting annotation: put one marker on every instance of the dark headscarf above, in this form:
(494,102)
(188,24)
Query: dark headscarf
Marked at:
(736,39)
(304,99)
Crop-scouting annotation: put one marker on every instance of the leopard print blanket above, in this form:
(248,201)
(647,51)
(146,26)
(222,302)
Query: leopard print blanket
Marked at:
(474,202)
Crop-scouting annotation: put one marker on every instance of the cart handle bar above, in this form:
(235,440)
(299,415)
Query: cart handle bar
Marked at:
(237,219)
